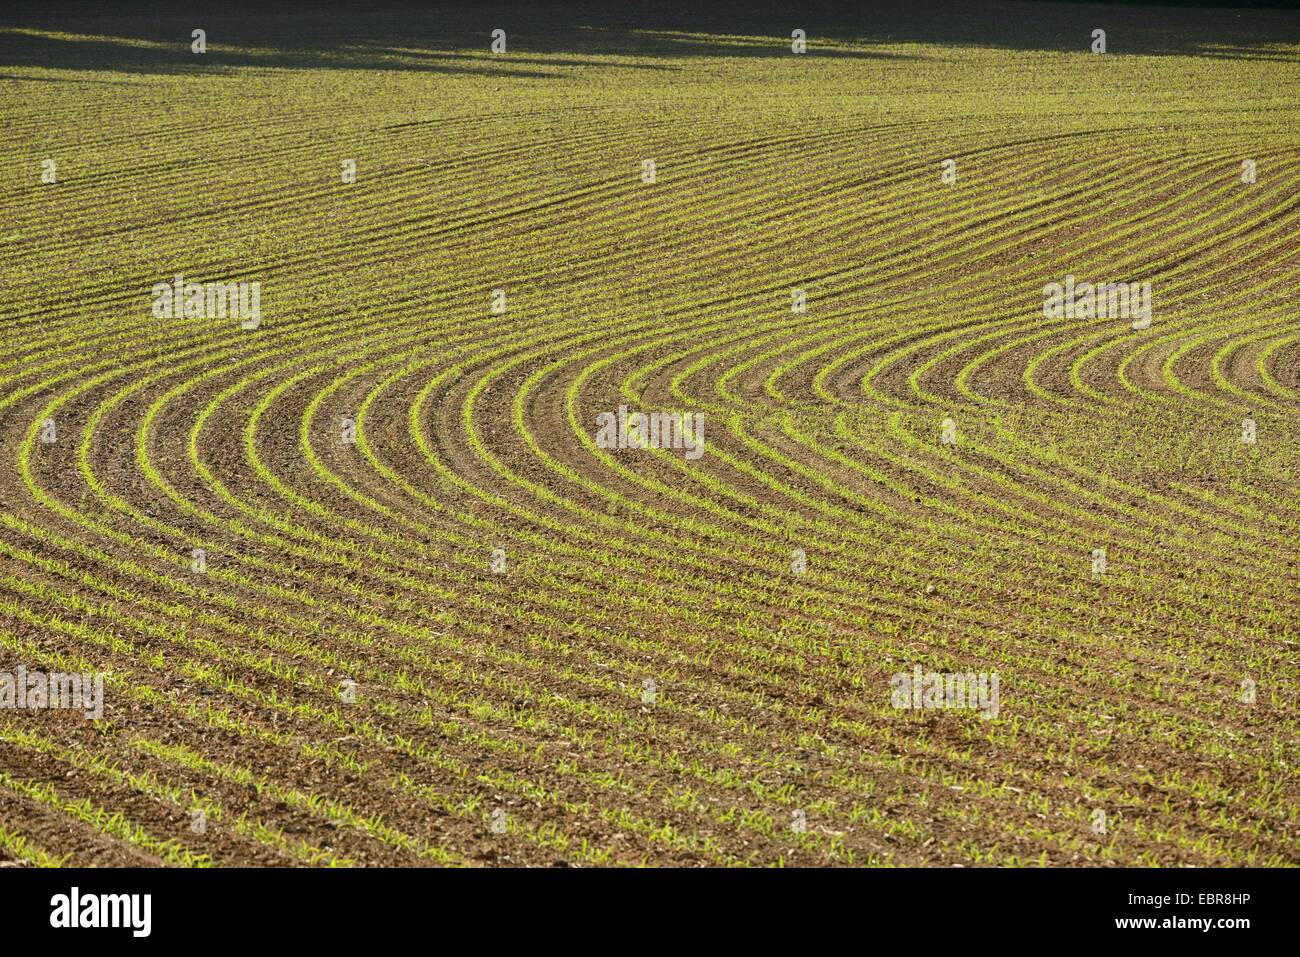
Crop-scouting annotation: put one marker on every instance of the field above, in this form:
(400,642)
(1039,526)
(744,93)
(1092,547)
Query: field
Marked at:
(363,578)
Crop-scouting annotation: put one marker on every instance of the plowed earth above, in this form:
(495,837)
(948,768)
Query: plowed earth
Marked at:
(472,636)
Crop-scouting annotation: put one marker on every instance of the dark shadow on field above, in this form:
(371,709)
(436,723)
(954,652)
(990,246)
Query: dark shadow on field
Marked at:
(53,79)
(453,37)
(118,53)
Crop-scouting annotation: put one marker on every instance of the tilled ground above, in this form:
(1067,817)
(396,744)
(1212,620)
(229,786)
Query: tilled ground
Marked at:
(434,622)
